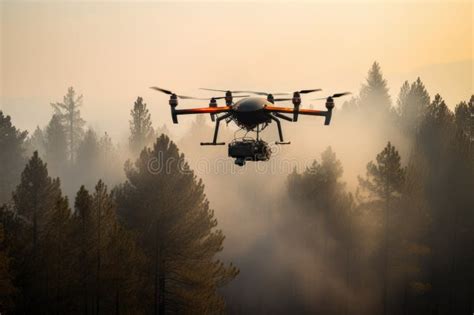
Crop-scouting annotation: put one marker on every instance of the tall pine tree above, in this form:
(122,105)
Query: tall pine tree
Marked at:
(70,114)
(383,185)
(374,96)
(11,156)
(413,101)
(141,130)
(56,145)
(164,203)
(38,199)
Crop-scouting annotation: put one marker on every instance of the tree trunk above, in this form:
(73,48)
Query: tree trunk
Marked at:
(97,306)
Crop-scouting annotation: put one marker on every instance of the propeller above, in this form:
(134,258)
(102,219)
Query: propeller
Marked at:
(308,91)
(330,102)
(333,96)
(223,97)
(264,93)
(178,96)
(225,91)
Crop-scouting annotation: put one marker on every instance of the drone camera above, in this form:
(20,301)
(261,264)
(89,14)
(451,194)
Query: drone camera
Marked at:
(249,150)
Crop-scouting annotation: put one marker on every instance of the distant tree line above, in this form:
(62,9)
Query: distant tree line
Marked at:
(405,238)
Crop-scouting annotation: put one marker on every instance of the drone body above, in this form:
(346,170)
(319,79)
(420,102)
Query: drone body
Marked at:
(251,114)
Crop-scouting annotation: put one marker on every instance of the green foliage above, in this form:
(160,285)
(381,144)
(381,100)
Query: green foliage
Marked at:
(164,203)
(36,194)
(464,117)
(11,156)
(385,178)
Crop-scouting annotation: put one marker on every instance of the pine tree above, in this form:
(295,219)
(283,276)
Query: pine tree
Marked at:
(106,255)
(320,192)
(16,238)
(104,218)
(11,156)
(88,150)
(36,195)
(37,199)
(448,177)
(384,183)
(7,289)
(56,145)
(83,243)
(141,130)
(164,203)
(70,115)
(56,258)
(412,103)
(36,142)
(374,96)
(464,117)
(106,146)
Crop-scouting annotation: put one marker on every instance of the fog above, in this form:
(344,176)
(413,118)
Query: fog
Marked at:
(112,52)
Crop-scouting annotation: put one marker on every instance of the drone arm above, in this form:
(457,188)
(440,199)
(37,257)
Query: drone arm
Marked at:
(203,110)
(303,111)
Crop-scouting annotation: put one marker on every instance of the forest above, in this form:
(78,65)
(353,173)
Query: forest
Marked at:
(88,226)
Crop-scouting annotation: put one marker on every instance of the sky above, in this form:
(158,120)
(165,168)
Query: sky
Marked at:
(112,52)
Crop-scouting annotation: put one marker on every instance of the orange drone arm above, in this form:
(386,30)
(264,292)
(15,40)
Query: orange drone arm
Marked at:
(302,111)
(203,110)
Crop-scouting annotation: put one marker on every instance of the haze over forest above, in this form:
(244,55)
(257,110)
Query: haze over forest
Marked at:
(373,214)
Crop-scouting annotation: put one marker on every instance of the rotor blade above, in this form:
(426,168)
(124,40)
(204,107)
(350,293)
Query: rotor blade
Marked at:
(282,99)
(341,94)
(238,96)
(222,97)
(309,91)
(161,90)
(184,97)
(215,90)
(191,97)
(333,96)
(253,92)
(265,93)
(203,110)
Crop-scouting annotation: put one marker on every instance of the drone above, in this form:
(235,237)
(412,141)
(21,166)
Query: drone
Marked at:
(250,113)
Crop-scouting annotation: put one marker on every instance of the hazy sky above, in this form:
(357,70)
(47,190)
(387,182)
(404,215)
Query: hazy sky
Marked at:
(111,52)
